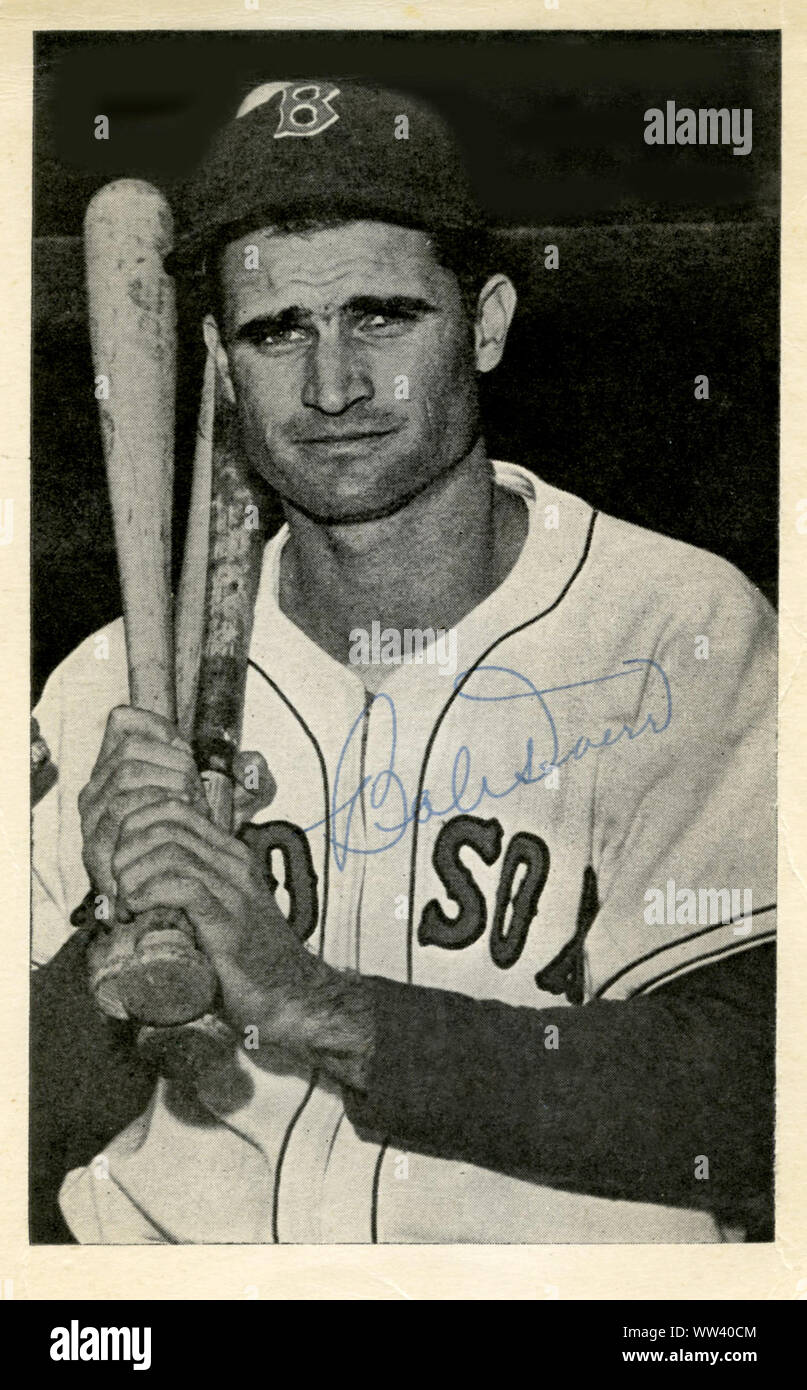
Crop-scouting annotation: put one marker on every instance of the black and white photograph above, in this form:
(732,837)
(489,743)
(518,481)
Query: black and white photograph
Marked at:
(404,556)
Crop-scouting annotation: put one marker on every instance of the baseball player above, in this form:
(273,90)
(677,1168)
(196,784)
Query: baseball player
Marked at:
(496,946)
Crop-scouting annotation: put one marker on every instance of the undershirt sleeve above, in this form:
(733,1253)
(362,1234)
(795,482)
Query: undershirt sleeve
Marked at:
(87,1082)
(623,1100)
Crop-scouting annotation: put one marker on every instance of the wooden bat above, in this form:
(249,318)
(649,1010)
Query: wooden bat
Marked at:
(234,530)
(189,620)
(235,553)
(150,969)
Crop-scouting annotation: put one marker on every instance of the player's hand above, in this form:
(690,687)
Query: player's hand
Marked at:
(144,762)
(170,855)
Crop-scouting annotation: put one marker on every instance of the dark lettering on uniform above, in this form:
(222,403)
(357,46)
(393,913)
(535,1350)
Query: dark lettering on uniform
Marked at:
(530,850)
(485,838)
(566,973)
(301,876)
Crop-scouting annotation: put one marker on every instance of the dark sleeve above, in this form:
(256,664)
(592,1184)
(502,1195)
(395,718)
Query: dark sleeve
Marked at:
(624,1106)
(87,1082)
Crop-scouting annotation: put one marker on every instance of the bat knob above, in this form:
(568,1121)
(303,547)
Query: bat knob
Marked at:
(167,980)
(150,970)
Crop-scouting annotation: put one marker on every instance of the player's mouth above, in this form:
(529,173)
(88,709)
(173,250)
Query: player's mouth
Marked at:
(355,439)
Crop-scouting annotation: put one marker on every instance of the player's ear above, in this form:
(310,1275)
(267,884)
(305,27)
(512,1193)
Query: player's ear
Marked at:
(215,348)
(494,314)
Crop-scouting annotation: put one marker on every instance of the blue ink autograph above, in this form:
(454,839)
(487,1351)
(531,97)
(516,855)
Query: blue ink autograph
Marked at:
(386,793)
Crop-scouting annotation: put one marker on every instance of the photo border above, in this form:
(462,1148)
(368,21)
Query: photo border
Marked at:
(570,1272)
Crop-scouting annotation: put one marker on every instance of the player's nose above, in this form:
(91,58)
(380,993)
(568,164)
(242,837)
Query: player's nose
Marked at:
(336,376)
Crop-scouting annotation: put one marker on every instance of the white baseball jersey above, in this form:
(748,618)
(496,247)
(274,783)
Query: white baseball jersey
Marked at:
(613,713)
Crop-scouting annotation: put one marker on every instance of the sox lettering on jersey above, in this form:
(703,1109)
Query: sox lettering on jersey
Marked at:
(525,851)
(485,837)
(299,873)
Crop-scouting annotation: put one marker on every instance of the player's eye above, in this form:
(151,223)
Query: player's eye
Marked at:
(280,339)
(273,336)
(385,325)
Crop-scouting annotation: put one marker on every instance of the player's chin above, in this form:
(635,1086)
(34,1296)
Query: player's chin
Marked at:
(350,495)
(350,507)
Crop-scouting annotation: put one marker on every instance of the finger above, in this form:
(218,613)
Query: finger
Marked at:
(125,804)
(126,719)
(171,864)
(100,832)
(135,774)
(136,748)
(100,875)
(190,894)
(99,821)
(161,859)
(133,849)
(131,863)
(180,813)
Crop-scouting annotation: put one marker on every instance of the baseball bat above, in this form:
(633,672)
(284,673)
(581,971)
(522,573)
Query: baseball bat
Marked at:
(150,969)
(189,614)
(235,552)
(234,547)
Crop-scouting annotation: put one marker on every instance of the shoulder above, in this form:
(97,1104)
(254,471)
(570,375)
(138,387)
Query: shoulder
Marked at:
(685,581)
(619,573)
(664,560)
(94,664)
(631,564)
(85,686)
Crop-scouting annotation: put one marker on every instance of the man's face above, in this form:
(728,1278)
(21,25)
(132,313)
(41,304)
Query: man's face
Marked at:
(352,363)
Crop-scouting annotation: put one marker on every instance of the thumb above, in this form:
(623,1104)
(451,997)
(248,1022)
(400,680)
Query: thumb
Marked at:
(255,786)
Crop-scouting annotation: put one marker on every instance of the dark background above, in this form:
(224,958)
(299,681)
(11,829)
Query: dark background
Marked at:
(669,267)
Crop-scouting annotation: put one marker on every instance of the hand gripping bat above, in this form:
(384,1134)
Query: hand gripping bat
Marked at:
(152,969)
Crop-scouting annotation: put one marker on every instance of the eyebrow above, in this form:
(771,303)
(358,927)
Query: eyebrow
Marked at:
(401,305)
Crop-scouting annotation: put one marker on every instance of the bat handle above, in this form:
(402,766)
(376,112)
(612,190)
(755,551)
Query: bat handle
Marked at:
(182,1044)
(218,787)
(151,969)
